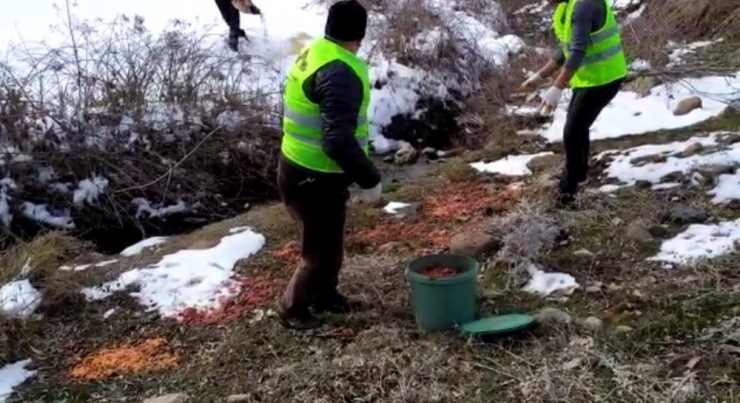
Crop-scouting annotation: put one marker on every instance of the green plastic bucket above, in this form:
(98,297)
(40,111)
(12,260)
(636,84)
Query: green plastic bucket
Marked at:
(443,302)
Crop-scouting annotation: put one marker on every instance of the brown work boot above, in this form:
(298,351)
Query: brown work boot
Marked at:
(335,303)
(297,321)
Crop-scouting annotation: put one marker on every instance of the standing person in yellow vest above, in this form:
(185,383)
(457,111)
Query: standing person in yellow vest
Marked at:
(325,150)
(592,63)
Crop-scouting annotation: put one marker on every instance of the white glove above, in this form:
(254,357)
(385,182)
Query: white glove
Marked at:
(373,195)
(551,99)
(532,81)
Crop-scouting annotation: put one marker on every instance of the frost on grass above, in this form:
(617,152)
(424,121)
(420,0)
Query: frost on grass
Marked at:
(199,279)
(526,233)
(512,165)
(700,241)
(12,376)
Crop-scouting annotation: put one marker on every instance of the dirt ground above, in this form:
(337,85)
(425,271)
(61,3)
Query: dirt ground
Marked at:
(635,331)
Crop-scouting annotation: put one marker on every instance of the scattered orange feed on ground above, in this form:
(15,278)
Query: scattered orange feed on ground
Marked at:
(290,253)
(440,212)
(464,200)
(148,355)
(251,293)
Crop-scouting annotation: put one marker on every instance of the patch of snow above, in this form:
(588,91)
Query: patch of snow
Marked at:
(512,165)
(19,299)
(6,216)
(237,229)
(700,241)
(12,376)
(109,313)
(634,15)
(88,190)
(627,171)
(139,247)
(393,207)
(631,114)
(40,213)
(621,4)
(144,207)
(187,278)
(87,266)
(402,88)
(726,189)
(676,57)
(640,65)
(545,284)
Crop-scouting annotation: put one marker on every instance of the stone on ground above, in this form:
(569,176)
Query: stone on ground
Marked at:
(171,398)
(474,244)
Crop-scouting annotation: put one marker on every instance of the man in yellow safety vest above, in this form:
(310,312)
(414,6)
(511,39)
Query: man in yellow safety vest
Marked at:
(592,63)
(324,150)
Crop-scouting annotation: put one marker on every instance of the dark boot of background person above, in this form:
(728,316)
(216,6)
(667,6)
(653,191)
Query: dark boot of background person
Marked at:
(232,20)
(234,36)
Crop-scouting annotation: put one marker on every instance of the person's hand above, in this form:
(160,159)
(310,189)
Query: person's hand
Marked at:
(372,196)
(551,99)
(531,82)
(255,10)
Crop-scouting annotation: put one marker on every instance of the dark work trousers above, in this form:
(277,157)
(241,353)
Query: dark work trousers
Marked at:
(229,14)
(318,203)
(585,106)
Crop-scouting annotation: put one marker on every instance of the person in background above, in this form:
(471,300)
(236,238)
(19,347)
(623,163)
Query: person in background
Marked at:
(230,12)
(324,150)
(592,62)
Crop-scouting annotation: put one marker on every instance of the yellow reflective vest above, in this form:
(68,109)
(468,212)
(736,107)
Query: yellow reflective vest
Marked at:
(605,61)
(302,125)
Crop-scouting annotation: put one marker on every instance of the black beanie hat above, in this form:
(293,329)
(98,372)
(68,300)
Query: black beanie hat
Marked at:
(347,21)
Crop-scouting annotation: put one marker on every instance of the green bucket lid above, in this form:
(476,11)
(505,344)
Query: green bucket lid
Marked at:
(498,324)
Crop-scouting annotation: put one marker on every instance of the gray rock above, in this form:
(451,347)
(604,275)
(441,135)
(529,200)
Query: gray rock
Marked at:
(623,329)
(474,244)
(693,149)
(406,155)
(591,323)
(713,170)
(638,232)
(595,287)
(171,398)
(687,105)
(237,398)
(391,247)
(683,214)
(658,231)
(554,316)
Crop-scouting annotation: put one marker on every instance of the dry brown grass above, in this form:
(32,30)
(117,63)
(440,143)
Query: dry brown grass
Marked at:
(696,19)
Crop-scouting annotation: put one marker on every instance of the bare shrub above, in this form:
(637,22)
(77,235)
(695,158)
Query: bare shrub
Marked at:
(526,233)
(170,123)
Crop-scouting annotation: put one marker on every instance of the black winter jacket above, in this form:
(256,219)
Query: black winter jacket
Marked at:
(338,92)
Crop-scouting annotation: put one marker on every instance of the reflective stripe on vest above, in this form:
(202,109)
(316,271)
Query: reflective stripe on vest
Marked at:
(316,123)
(604,61)
(302,123)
